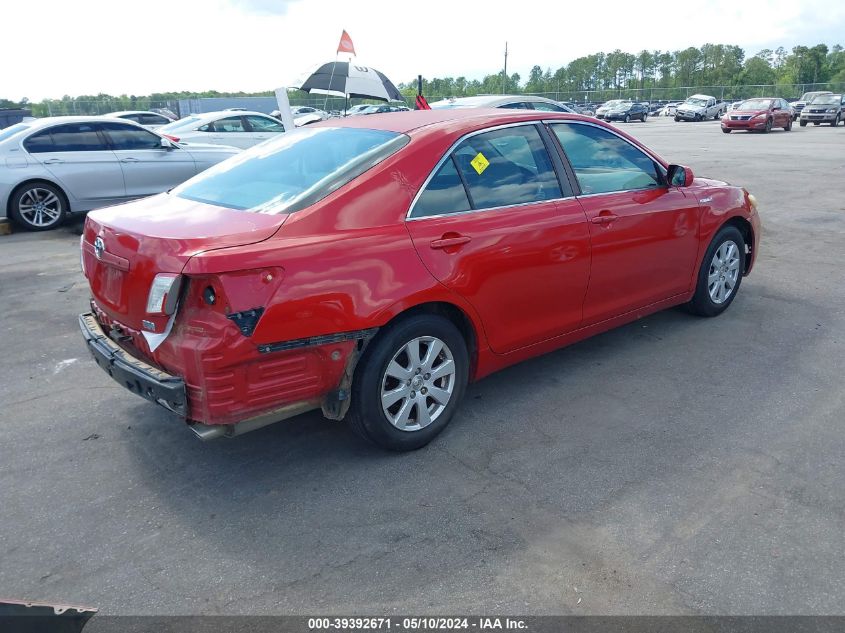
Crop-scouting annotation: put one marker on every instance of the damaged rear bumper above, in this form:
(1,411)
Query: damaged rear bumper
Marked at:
(137,376)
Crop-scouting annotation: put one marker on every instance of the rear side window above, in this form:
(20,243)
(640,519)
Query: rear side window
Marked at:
(70,137)
(229,124)
(604,162)
(507,167)
(444,193)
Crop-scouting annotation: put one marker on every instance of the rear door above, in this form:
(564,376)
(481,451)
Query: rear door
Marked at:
(495,224)
(644,233)
(77,155)
(148,168)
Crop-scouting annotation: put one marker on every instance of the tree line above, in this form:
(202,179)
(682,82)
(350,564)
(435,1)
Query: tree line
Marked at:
(648,74)
(667,73)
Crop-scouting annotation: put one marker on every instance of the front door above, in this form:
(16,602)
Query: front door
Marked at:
(494,225)
(644,233)
(148,168)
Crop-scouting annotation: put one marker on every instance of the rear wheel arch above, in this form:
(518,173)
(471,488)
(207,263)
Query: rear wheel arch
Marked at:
(35,181)
(456,315)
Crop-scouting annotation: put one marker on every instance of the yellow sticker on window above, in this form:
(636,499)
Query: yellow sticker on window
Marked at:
(479,163)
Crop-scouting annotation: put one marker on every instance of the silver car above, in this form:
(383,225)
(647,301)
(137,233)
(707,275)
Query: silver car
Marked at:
(59,165)
(516,102)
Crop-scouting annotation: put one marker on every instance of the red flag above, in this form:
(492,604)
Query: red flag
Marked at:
(421,103)
(345,45)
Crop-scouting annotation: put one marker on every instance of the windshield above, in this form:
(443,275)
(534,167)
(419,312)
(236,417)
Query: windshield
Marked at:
(695,102)
(612,104)
(9,132)
(756,104)
(293,171)
(827,100)
(808,96)
(176,125)
(624,105)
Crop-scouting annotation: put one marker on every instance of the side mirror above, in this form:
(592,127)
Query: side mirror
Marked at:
(775,109)
(166,144)
(679,176)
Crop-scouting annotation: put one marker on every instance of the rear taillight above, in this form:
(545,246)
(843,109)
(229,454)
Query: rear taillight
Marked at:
(164,294)
(175,139)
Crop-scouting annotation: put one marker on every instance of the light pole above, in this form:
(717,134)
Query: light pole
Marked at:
(505,72)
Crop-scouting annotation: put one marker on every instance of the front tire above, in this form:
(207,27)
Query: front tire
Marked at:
(409,383)
(768,127)
(726,130)
(720,274)
(38,206)
(788,126)
(835,121)
(802,123)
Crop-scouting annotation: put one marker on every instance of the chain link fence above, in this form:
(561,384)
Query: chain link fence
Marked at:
(265,104)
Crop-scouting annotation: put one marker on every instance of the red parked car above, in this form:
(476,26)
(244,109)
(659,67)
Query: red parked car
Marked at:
(372,266)
(759,115)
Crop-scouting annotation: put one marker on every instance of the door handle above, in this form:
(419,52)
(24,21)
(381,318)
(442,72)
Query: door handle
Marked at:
(53,161)
(129,160)
(604,218)
(446,242)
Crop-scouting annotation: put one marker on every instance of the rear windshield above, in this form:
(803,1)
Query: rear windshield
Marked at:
(293,171)
(11,131)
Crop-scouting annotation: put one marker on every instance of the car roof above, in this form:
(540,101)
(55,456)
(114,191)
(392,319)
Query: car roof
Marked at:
(122,112)
(54,120)
(219,114)
(480,101)
(405,122)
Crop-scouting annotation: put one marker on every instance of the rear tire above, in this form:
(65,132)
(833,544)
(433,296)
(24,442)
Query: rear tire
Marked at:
(38,206)
(720,274)
(421,393)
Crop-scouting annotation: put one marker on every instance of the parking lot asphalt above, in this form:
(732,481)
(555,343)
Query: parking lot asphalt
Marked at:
(675,465)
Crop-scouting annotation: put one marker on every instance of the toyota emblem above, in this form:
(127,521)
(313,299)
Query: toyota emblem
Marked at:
(99,247)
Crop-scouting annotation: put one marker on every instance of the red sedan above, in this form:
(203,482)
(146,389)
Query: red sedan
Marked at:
(758,115)
(372,266)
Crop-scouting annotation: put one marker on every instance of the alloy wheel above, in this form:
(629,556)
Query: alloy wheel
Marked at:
(724,272)
(40,207)
(418,383)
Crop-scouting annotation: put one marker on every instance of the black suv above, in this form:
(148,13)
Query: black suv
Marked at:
(626,111)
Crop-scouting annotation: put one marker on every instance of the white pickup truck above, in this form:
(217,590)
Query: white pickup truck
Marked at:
(699,108)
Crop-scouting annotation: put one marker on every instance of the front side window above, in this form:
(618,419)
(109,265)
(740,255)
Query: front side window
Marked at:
(519,105)
(129,137)
(548,107)
(293,170)
(153,119)
(70,137)
(604,162)
(264,124)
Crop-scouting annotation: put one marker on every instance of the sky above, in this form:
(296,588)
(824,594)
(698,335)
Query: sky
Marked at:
(77,47)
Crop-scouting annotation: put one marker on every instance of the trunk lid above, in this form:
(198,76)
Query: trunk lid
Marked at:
(126,246)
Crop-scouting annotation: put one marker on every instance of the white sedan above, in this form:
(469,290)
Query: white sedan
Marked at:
(55,166)
(233,128)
